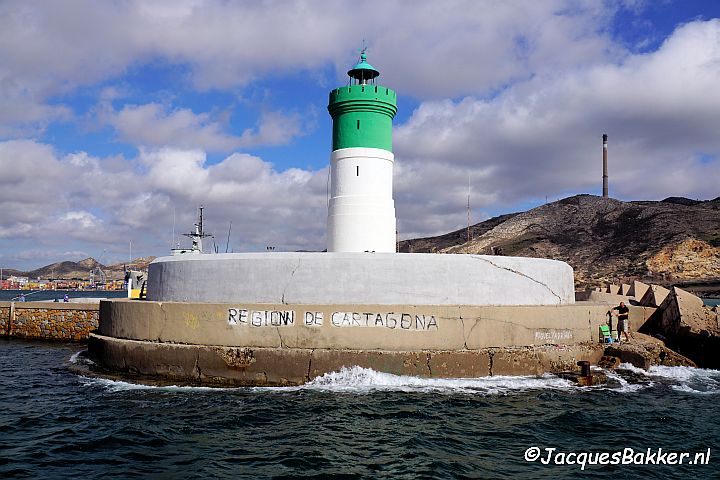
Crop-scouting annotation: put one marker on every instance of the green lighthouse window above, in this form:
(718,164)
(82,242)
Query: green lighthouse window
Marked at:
(358,124)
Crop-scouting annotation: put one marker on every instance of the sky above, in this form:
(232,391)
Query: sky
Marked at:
(119,118)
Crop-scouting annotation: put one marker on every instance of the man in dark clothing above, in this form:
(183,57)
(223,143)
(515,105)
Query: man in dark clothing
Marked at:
(623,321)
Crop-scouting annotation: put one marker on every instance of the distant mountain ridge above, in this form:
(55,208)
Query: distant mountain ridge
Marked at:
(80,270)
(603,239)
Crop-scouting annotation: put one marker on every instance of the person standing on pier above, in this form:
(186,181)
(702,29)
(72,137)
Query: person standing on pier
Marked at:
(623,321)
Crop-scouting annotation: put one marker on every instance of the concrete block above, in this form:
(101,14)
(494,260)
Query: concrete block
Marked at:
(462,364)
(654,296)
(107,352)
(397,363)
(682,313)
(254,366)
(146,359)
(515,362)
(638,290)
(565,358)
(167,361)
(606,298)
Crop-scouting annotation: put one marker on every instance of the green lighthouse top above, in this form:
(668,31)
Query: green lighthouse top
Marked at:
(363,111)
(363,71)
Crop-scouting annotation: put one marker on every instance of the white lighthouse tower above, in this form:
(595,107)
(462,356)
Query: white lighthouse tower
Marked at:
(361,212)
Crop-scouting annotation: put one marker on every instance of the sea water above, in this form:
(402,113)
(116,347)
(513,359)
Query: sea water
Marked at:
(355,423)
(52,295)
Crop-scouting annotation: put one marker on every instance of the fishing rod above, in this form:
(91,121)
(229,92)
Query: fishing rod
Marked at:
(23,295)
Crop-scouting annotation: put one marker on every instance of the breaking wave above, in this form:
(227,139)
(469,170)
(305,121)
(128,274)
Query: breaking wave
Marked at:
(361,380)
(358,380)
(681,379)
(121,386)
(80,358)
(689,379)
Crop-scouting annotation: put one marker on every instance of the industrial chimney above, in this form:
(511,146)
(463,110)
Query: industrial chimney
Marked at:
(605,167)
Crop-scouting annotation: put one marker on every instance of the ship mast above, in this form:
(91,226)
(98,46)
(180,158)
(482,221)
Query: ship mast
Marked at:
(198,234)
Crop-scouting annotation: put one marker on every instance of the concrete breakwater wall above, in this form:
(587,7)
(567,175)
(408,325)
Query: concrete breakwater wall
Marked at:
(48,320)
(280,344)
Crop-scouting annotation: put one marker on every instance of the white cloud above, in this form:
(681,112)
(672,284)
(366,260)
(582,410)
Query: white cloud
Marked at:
(542,137)
(438,49)
(75,220)
(153,125)
(90,204)
(275,128)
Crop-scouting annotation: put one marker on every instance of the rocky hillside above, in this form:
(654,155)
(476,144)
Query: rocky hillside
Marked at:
(671,241)
(81,270)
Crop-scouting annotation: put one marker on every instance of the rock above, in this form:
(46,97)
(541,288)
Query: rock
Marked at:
(695,258)
(644,351)
(690,328)
(609,362)
(595,378)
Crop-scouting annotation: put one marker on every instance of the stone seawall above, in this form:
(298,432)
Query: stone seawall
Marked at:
(48,320)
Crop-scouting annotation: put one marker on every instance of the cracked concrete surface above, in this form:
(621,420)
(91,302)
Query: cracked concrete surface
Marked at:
(516,272)
(360,279)
(290,279)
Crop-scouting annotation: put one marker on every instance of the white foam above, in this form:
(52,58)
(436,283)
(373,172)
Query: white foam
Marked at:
(632,368)
(689,379)
(120,386)
(364,380)
(684,373)
(80,358)
(689,389)
(625,386)
(360,380)
(685,379)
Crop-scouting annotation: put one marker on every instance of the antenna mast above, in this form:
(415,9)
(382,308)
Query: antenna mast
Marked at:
(468,210)
(605,165)
(227,245)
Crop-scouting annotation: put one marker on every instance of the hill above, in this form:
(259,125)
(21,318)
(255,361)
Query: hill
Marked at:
(670,241)
(80,270)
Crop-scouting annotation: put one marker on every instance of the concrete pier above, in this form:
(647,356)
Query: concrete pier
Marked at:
(281,344)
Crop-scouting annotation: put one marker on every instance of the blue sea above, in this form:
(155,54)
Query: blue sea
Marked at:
(711,302)
(351,424)
(52,295)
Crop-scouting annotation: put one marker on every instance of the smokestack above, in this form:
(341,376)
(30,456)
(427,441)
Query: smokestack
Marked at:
(605,168)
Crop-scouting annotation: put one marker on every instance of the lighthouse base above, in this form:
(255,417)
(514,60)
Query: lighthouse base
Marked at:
(286,318)
(360,279)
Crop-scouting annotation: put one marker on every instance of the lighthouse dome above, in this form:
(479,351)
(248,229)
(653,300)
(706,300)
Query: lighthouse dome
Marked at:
(363,71)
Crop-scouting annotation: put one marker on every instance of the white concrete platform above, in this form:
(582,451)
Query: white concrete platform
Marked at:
(360,279)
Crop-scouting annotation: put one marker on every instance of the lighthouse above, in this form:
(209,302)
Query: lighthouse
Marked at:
(361,210)
(285,318)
